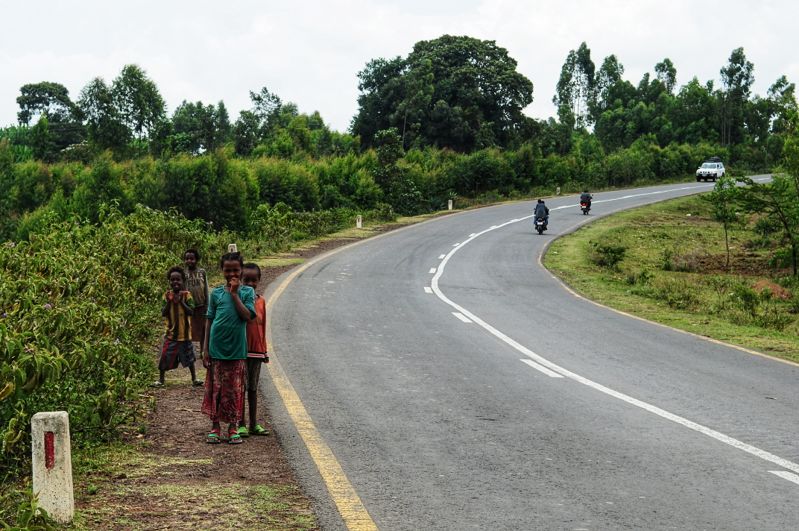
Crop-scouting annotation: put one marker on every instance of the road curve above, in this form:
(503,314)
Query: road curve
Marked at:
(459,385)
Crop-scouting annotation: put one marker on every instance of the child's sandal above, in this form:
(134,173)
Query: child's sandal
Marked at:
(234,438)
(259,430)
(213,437)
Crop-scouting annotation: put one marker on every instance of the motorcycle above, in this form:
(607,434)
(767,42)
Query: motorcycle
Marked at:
(540,225)
(585,206)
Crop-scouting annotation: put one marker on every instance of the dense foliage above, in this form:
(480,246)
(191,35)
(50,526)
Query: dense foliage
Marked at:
(76,328)
(79,303)
(99,195)
(455,92)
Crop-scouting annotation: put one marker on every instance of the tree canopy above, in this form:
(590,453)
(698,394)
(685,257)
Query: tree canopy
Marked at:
(456,92)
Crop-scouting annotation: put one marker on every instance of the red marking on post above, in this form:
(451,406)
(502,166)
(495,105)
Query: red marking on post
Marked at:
(49,450)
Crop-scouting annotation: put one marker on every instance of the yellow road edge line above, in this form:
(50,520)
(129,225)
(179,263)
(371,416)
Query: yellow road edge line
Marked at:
(644,319)
(348,503)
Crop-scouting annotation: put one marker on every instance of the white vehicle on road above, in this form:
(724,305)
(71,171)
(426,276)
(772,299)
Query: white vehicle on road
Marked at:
(710,170)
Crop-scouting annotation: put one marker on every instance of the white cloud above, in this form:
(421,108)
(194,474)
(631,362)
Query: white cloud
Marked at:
(310,52)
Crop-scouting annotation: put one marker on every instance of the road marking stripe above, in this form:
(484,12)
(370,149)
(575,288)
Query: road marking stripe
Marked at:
(432,270)
(461,317)
(735,443)
(441,256)
(536,366)
(428,289)
(455,245)
(349,504)
(786,475)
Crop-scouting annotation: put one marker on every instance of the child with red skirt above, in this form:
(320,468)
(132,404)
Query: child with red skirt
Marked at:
(230,307)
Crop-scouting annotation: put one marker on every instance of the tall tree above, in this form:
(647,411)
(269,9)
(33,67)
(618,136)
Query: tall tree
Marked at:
(606,82)
(785,113)
(137,100)
(45,98)
(475,95)
(222,119)
(63,118)
(575,93)
(104,125)
(736,80)
(267,107)
(418,94)
(666,73)
(246,132)
(382,89)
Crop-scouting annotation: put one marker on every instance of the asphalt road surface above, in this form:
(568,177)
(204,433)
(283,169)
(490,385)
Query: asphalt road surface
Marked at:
(460,386)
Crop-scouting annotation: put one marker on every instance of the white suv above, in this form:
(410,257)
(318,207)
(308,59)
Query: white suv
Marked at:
(710,170)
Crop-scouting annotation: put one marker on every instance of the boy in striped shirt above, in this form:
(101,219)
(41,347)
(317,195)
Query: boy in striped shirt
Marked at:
(177,312)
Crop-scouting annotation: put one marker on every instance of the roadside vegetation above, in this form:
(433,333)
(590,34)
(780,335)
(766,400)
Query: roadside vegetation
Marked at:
(101,194)
(668,262)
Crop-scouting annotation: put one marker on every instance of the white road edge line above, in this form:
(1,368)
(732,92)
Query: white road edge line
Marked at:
(534,365)
(461,317)
(726,439)
(432,270)
(441,256)
(428,289)
(786,475)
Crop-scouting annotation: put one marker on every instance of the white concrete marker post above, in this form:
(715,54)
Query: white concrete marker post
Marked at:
(359,222)
(231,248)
(449,204)
(557,190)
(52,464)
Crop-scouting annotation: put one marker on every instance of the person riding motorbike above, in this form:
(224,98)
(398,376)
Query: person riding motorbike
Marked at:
(541,211)
(585,197)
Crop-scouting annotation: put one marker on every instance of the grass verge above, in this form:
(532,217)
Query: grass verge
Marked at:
(668,263)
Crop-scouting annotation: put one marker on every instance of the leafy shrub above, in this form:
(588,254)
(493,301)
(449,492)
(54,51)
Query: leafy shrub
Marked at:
(78,304)
(677,293)
(606,255)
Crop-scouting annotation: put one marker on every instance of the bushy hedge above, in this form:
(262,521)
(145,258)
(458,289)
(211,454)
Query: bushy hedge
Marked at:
(78,303)
(225,190)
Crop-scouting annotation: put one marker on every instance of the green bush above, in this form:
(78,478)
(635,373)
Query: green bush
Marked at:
(606,255)
(78,307)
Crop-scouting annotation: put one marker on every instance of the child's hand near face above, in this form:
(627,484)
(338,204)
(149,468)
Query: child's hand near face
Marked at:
(170,296)
(233,285)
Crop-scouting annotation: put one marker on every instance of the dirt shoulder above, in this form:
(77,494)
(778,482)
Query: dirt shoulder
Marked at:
(163,475)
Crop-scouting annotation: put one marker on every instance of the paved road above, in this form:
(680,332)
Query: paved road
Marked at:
(532,408)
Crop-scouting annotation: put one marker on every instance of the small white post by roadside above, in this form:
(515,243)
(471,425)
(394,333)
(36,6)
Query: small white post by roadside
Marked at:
(231,248)
(557,190)
(449,204)
(52,464)
(358,221)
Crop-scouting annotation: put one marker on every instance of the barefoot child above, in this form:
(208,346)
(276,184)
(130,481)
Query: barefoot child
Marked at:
(197,284)
(256,351)
(177,312)
(229,308)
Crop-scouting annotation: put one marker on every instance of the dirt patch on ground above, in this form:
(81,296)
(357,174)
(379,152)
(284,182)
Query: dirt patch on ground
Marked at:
(742,263)
(164,475)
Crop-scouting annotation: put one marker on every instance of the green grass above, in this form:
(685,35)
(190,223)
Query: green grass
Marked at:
(673,272)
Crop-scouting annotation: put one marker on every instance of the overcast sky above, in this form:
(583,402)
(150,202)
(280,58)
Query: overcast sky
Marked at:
(310,52)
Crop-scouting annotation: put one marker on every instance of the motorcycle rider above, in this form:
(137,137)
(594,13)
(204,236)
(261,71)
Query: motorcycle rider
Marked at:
(541,211)
(585,197)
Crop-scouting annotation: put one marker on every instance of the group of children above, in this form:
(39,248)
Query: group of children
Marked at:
(229,322)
